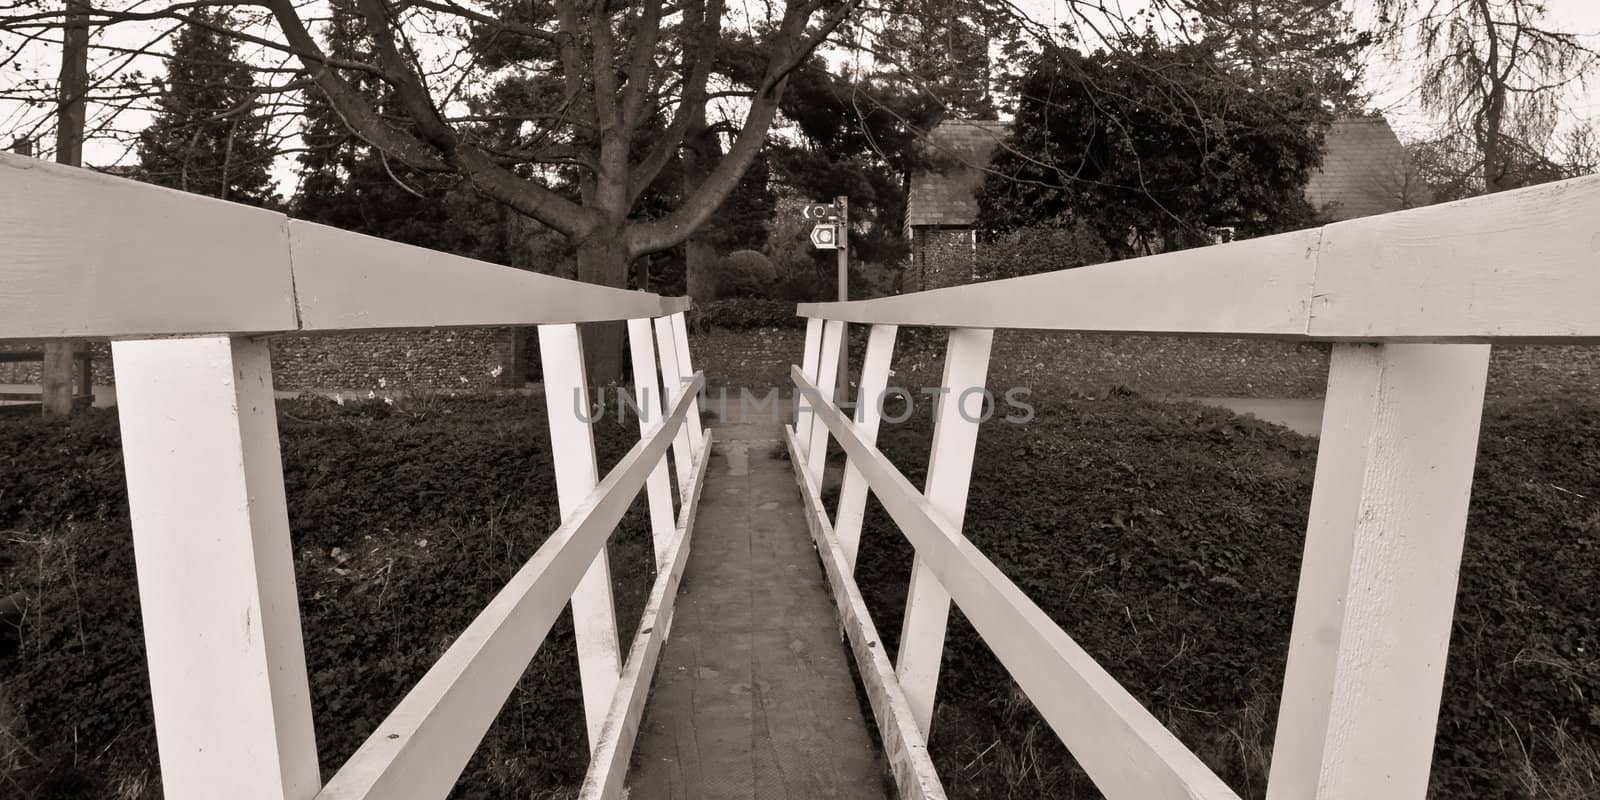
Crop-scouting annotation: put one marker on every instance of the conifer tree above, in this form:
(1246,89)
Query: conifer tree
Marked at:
(210,135)
(1311,43)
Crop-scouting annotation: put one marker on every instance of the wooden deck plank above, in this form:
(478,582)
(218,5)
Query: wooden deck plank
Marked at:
(753,697)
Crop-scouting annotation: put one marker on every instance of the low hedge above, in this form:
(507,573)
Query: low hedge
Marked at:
(406,520)
(747,313)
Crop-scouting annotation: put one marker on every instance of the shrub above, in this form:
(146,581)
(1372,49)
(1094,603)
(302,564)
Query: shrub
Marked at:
(746,273)
(1030,251)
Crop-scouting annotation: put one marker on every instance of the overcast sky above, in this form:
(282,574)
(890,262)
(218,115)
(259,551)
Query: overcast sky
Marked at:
(1391,78)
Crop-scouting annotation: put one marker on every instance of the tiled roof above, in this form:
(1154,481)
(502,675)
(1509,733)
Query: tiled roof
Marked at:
(946,192)
(1364,172)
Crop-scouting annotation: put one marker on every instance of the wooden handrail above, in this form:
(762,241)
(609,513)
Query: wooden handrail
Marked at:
(30,356)
(186,287)
(1121,745)
(420,749)
(157,262)
(1410,300)
(201,451)
(1518,266)
(1388,510)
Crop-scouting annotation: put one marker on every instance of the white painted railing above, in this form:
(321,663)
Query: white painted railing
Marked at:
(186,288)
(1412,299)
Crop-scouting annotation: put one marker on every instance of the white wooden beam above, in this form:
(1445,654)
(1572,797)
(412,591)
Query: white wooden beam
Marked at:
(1260,286)
(216,569)
(608,767)
(675,305)
(1378,580)
(1124,749)
(647,396)
(903,744)
(680,340)
(1521,265)
(827,381)
(346,281)
(955,438)
(206,266)
(420,749)
(1515,266)
(672,373)
(594,614)
(853,491)
(808,367)
(158,261)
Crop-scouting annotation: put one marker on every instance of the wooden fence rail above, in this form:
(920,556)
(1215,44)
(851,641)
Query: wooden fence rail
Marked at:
(187,288)
(84,362)
(1412,301)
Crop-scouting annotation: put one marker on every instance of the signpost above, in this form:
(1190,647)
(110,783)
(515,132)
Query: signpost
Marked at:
(832,232)
(842,247)
(824,237)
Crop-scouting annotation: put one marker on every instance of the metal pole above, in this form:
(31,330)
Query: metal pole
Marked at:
(842,238)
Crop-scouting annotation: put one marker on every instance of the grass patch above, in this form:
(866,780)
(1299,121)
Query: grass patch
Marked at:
(1166,539)
(406,520)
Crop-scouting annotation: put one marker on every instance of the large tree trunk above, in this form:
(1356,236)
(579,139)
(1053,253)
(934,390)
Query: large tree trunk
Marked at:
(701,151)
(55,374)
(602,259)
(1494,167)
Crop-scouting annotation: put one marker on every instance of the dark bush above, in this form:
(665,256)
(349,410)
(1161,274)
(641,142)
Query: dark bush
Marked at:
(1029,251)
(746,273)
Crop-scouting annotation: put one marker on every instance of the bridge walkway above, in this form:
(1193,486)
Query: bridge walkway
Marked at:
(753,696)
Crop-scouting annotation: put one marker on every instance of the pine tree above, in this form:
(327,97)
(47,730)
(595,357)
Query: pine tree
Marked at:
(210,135)
(939,48)
(1310,43)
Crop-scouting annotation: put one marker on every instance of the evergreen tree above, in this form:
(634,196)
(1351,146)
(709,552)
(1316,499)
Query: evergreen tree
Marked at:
(1156,147)
(210,135)
(941,50)
(1312,43)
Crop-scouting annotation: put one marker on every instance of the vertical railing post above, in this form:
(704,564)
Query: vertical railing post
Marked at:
(1378,576)
(833,332)
(808,366)
(683,451)
(955,438)
(680,340)
(594,616)
(853,491)
(216,569)
(647,396)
